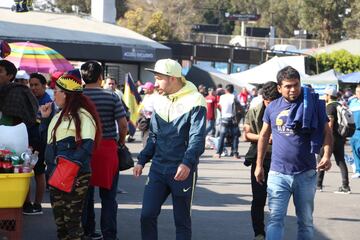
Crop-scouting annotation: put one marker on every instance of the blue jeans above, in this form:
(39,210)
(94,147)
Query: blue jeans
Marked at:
(108,211)
(233,130)
(210,127)
(280,188)
(355,147)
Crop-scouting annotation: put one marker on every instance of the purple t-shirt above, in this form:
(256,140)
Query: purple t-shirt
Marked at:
(290,150)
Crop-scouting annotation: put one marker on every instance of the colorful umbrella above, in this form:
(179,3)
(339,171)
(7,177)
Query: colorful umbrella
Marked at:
(33,57)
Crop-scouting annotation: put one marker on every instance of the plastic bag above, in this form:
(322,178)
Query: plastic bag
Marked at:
(14,137)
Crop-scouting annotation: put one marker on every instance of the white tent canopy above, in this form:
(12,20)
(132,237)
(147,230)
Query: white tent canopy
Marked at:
(328,77)
(210,77)
(350,45)
(268,70)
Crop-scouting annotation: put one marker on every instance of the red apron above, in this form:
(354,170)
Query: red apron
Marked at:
(104,164)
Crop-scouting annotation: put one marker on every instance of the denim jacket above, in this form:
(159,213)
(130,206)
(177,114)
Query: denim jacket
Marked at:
(66,145)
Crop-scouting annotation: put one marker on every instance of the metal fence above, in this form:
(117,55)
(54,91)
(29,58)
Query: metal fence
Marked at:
(264,43)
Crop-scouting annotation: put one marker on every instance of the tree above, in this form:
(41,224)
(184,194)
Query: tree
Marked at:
(342,61)
(213,12)
(352,22)
(323,18)
(279,14)
(282,16)
(121,8)
(179,15)
(158,28)
(133,19)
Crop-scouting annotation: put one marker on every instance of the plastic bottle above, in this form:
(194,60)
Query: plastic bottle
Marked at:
(16,162)
(26,156)
(7,164)
(33,159)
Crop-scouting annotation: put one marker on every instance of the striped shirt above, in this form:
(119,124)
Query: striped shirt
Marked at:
(109,107)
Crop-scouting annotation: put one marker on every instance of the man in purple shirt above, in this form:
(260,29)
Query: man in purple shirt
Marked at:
(293,164)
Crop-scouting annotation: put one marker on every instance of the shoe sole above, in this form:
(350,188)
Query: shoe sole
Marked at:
(33,213)
(342,192)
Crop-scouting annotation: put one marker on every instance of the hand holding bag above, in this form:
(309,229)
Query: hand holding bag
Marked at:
(125,160)
(143,123)
(64,175)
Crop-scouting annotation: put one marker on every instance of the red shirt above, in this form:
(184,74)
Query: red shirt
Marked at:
(211,105)
(243,97)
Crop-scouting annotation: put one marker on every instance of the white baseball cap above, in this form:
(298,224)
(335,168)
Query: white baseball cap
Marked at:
(331,92)
(167,67)
(21,74)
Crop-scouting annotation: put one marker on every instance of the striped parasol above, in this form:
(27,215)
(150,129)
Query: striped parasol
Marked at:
(33,57)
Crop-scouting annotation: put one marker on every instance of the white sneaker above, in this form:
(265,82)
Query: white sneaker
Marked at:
(224,154)
(356,175)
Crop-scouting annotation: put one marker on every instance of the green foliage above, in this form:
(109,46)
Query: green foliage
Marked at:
(342,61)
(323,18)
(121,8)
(175,18)
(158,27)
(352,22)
(133,20)
(213,12)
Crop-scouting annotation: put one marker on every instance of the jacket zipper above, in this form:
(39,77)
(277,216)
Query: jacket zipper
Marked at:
(172,101)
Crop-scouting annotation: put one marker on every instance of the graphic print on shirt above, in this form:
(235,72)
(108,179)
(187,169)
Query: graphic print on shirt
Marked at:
(281,121)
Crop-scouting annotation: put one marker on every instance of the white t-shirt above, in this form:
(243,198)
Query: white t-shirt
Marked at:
(148,103)
(226,102)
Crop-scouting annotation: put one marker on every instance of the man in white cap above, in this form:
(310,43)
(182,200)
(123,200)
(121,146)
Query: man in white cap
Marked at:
(22,77)
(176,141)
(338,144)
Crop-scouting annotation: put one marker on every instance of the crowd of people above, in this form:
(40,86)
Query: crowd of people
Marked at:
(80,117)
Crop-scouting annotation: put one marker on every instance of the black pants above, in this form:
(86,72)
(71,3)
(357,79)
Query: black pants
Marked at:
(158,187)
(338,151)
(259,199)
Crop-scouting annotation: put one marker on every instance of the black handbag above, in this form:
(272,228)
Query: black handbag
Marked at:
(125,159)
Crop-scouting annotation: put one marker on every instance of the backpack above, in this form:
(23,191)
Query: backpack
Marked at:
(345,120)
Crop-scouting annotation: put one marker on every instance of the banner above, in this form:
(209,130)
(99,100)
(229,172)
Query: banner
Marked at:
(131,99)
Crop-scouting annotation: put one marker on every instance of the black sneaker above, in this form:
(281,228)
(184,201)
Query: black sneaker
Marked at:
(94,236)
(27,208)
(32,209)
(37,209)
(343,190)
(121,191)
(319,188)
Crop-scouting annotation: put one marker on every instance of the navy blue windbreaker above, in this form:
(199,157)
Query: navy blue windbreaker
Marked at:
(177,131)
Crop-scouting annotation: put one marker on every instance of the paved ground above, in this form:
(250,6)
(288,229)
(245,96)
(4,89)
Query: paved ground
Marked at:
(221,207)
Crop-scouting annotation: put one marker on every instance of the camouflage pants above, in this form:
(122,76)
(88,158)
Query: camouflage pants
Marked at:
(67,209)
